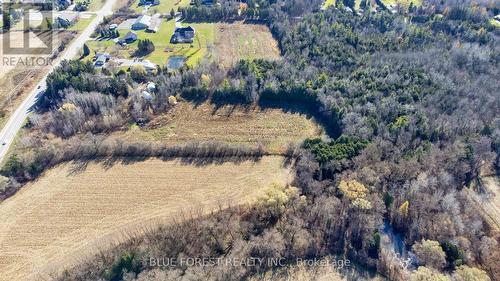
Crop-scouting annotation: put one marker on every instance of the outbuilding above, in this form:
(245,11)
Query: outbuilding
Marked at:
(129,37)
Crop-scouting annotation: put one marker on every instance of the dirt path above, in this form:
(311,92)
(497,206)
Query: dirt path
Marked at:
(62,217)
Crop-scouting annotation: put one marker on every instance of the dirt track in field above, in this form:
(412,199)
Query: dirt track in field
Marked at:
(64,216)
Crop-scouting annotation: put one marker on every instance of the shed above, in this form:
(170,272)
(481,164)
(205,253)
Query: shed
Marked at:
(149,2)
(147,96)
(151,87)
(129,37)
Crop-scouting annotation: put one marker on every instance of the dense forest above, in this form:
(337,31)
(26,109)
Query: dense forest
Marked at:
(411,106)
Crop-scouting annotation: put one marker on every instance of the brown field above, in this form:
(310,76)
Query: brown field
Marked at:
(244,41)
(18,73)
(64,213)
(273,128)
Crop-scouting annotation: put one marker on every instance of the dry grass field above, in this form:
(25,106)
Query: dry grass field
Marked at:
(63,215)
(187,122)
(244,41)
(491,202)
(488,203)
(20,73)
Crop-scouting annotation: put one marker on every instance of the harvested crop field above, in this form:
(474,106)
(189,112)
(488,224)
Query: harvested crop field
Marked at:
(188,122)
(69,211)
(244,41)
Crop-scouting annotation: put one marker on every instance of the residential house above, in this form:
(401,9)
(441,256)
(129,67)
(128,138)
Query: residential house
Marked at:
(149,2)
(208,2)
(147,96)
(63,3)
(154,25)
(142,22)
(101,59)
(183,35)
(151,87)
(66,20)
(129,38)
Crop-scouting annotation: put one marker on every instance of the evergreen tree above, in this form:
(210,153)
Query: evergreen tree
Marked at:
(86,50)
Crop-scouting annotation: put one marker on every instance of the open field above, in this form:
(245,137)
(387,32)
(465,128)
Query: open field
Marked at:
(244,41)
(21,71)
(64,213)
(273,128)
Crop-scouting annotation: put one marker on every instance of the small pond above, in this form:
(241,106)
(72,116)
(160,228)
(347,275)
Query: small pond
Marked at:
(175,62)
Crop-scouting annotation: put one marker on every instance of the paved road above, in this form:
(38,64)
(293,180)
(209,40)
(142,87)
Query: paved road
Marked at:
(17,119)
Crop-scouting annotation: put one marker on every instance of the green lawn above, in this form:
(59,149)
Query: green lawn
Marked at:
(81,24)
(205,37)
(495,23)
(165,6)
(327,4)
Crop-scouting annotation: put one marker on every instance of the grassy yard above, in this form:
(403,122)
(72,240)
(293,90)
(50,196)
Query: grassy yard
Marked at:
(224,43)
(205,36)
(327,4)
(495,23)
(81,24)
(273,128)
(164,7)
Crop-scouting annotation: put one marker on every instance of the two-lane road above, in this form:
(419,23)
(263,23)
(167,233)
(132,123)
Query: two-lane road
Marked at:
(19,116)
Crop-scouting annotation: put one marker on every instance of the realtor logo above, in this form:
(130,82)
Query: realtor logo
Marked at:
(27,27)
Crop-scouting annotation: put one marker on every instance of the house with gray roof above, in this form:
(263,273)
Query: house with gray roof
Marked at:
(183,35)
